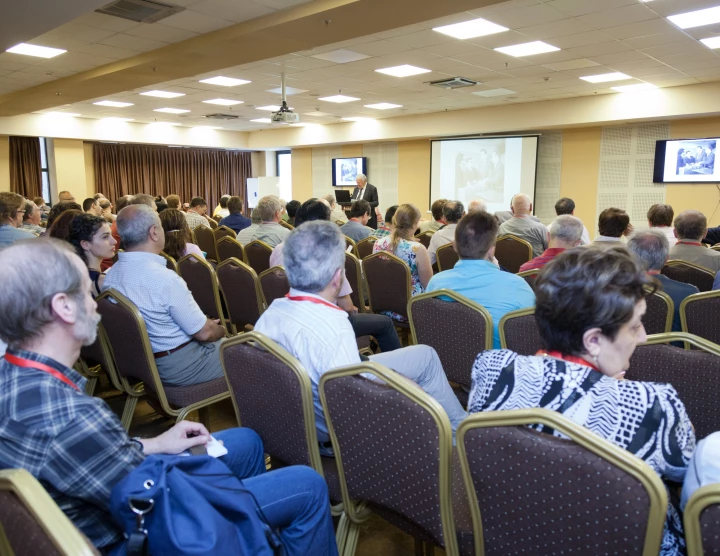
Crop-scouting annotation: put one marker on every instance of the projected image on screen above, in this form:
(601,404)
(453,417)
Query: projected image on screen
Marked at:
(694,157)
(479,169)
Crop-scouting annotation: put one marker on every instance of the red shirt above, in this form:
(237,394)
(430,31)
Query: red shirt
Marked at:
(542,260)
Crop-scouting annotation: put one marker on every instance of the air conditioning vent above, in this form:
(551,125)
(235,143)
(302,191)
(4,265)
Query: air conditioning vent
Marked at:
(222,117)
(454,83)
(142,11)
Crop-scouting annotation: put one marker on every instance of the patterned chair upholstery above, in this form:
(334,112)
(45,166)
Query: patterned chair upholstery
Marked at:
(228,247)
(389,284)
(519,332)
(446,257)
(695,374)
(201,280)
(702,521)
(365,247)
(530,276)
(425,238)
(690,273)
(274,284)
(213,223)
(700,315)
(659,313)
(534,493)
(353,274)
(257,254)
(32,523)
(170,263)
(241,290)
(512,252)
(205,239)
(223,231)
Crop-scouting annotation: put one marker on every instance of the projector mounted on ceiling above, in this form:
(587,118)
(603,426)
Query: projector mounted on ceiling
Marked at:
(284,115)
(454,83)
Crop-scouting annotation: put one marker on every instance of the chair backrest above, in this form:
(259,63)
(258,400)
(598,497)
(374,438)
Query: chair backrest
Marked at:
(659,313)
(99,353)
(257,255)
(170,263)
(228,247)
(200,278)
(350,244)
(716,247)
(400,438)
(574,495)
(530,276)
(286,225)
(213,223)
(205,239)
(354,277)
(702,521)
(519,332)
(690,273)
(695,374)
(241,289)
(273,396)
(274,284)
(700,315)
(365,247)
(389,283)
(456,327)
(32,523)
(512,252)
(221,232)
(425,238)
(446,257)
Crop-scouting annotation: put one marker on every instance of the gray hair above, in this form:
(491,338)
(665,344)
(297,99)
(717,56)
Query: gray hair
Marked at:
(567,228)
(477,204)
(134,223)
(363,177)
(142,199)
(255,216)
(25,296)
(330,199)
(267,207)
(312,254)
(650,248)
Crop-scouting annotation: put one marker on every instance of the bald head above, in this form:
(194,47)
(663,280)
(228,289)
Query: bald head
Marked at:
(521,205)
(65,196)
(477,205)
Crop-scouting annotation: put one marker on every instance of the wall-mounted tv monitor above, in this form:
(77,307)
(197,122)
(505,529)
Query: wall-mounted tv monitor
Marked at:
(686,161)
(345,170)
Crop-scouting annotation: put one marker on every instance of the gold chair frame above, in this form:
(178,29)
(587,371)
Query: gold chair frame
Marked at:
(686,337)
(670,307)
(227,239)
(360,282)
(259,296)
(531,272)
(286,225)
(350,242)
(265,272)
(691,299)
(703,497)
(442,248)
(170,260)
(511,237)
(508,316)
(391,257)
(256,242)
(369,239)
(428,234)
(215,284)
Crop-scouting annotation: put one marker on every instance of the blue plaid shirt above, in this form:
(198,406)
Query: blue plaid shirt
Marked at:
(71,442)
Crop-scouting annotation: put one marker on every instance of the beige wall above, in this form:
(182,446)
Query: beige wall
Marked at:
(4,163)
(70,169)
(301,174)
(579,173)
(89,169)
(414,173)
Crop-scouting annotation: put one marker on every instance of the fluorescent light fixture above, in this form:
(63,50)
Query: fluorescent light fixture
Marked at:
(171,110)
(633,88)
(494,93)
(383,106)
(162,94)
(697,18)
(338,99)
(527,49)
(262,120)
(37,51)
(403,71)
(605,77)
(223,101)
(712,42)
(269,108)
(341,56)
(57,114)
(114,120)
(470,29)
(224,81)
(357,119)
(288,91)
(113,103)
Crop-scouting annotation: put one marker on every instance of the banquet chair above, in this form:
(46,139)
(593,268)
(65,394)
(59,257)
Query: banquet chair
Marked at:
(702,521)
(353,273)
(228,247)
(530,276)
(700,315)
(257,255)
(350,244)
(389,285)
(199,275)
(659,313)
(512,252)
(446,257)
(213,223)
(241,290)
(221,232)
(205,240)
(519,332)
(286,225)
(365,247)
(274,284)
(425,238)
(170,263)
(690,273)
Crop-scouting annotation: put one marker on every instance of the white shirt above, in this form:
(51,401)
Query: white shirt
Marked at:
(669,233)
(440,238)
(360,194)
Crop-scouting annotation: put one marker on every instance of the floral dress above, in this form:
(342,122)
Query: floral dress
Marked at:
(407,251)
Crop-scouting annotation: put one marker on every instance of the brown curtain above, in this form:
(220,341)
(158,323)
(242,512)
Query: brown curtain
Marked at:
(25,170)
(155,170)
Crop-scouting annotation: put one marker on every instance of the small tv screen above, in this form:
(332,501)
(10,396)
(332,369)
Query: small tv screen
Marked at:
(345,170)
(686,161)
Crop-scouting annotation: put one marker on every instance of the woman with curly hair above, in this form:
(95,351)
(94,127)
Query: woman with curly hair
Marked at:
(177,235)
(91,237)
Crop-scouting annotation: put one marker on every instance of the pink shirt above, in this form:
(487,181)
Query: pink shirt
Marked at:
(192,249)
(276,259)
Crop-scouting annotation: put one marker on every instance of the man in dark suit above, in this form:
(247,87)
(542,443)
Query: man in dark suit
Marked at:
(367,192)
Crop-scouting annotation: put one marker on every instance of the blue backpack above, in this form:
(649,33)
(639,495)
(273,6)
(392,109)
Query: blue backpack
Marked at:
(177,506)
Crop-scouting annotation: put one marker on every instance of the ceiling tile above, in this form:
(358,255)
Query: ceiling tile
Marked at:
(577,63)
(451,49)
(136,43)
(661,39)
(82,32)
(530,15)
(503,7)
(592,51)
(581,39)
(634,65)
(421,39)
(640,29)
(618,16)
(569,26)
(107,22)
(618,57)
(497,40)
(59,41)
(230,10)
(381,47)
(159,32)
(582,7)
(108,51)
(196,22)
(672,7)
(340,56)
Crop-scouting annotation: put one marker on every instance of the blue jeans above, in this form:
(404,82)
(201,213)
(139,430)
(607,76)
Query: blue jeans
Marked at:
(293,499)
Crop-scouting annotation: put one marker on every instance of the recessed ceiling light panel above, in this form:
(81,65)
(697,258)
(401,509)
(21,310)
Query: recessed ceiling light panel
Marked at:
(162,94)
(262,120)
(223,101)
(35,50)
(697,18)
(494,93)
(224,81)
(470,29)
(339,99)
(113,103)
(712,42)
(171,110)
(341,56)
(403,71)
(605,77)
(527,49)
(269,108)
(383,106)
(288,91)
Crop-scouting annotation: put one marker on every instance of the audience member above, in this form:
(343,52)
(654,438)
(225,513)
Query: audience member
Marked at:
(185,342)
(269,230)
(704,467)
(613,224)
(98,196)
(690,229)
(66,197)
(160,205)
(196,213)
(121,203)
(12,209)
(436,209)
(235,219)
(524,227)
(565,205)
(309,325)
(178,238)
(338,214)
(90,236)
(283,210)
(356,227)
(31,219)
(503,216)
(173,202)
(43,206)
(453,211)
(651,249)
(565,233)
(58,209)
(245,236)
(143,199)
(476,205)
(92,206)
(107,208)
(475,275)
(222,209)
(387,226)
(60,228)
(76,446)
(660,216)
(589,309)
(291,208)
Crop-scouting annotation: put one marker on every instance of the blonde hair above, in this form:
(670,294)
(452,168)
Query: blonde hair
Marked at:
(405,220)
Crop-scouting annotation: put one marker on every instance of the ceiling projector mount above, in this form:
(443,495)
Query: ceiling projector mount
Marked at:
(284,115)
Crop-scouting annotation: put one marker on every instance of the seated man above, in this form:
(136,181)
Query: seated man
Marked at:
(185,342)
(12,210)
(613,225)
(235,220)
(523,226)
(245,235)
(477,278)
(269,211)
(32,218)
(337,214)
(477,204)
(76,446)
(92,206)
(173,202)
(222,209)
(690,230)
(660,216)
(651,248)
(704,467)
(565,233)
(453,211)
(309,325)
(291,209)
(195,215)
(566,205)
(437,221)
(387,226)
(356,228)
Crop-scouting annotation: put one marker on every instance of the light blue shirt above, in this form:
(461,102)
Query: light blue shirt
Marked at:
(170,313)
(10,234)
(484,283)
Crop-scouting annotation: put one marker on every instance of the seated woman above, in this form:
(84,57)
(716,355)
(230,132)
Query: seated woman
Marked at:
(90,236)
(60,226)
(589,306)
(403,244)
(178,239)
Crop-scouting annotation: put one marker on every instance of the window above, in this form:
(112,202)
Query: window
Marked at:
(44,167)
(284,172)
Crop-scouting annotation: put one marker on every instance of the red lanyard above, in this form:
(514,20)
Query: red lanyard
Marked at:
(568,358)
(312,300)
(689,243)
(27,363)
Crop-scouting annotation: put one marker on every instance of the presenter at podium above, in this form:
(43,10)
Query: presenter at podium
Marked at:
(367,192)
